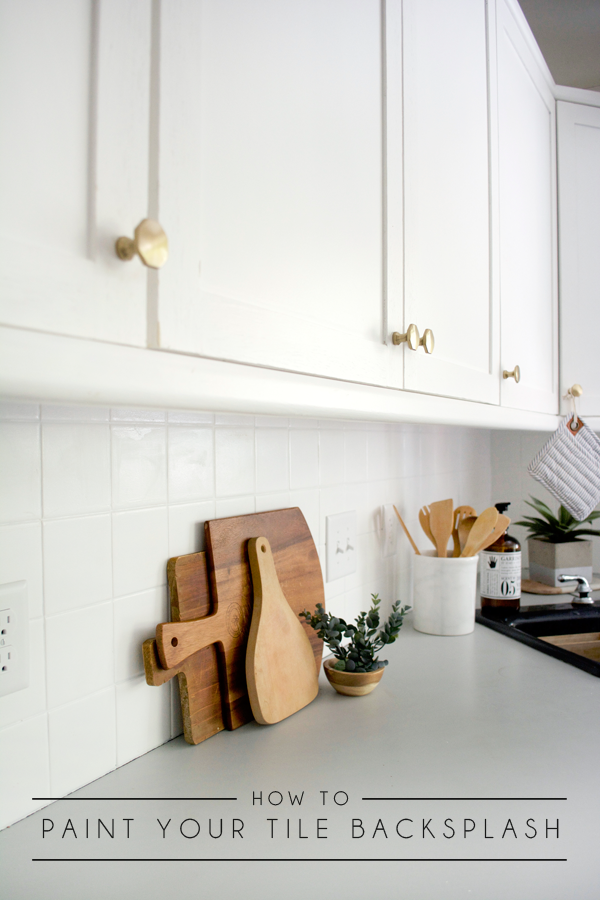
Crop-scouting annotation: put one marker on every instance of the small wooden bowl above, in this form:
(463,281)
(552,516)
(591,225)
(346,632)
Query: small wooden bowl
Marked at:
(353,684)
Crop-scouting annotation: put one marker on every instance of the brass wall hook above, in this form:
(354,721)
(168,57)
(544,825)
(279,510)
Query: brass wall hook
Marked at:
(149,242)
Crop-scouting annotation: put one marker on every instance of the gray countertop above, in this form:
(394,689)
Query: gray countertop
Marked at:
(479,739)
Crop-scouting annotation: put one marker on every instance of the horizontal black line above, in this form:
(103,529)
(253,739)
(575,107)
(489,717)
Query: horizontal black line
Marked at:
(134,798)
(463,798)
(303,859)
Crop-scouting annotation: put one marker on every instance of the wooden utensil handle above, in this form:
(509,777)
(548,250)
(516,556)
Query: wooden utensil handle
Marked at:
(407,533)
(175,641)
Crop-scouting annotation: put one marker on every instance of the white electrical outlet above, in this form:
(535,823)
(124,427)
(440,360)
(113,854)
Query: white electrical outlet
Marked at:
(341,545)
(14,637)
(388,544)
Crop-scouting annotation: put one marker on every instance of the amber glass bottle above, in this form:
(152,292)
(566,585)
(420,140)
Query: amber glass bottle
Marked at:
(500,571)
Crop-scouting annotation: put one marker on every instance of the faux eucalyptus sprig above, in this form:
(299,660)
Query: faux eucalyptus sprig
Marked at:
(556,530)
(359,654)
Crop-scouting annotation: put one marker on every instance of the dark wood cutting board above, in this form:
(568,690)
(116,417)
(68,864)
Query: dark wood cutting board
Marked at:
(224,632)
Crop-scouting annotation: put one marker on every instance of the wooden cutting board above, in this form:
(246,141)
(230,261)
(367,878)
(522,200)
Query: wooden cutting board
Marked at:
(280,665)
(224,632)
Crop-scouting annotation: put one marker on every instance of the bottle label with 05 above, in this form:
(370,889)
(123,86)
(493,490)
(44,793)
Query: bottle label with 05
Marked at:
(500,577)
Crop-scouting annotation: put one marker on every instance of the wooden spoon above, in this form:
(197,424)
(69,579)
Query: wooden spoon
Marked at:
(499,529)
(464,530)
(460,513)
(441,524)
(482,529)
(407,533)
(424,521)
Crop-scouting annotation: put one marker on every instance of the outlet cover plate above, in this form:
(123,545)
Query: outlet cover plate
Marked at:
(14,637)
(341,545)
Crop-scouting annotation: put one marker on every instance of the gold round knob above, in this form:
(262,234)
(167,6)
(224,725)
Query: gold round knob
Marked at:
(149,242)
(411,337)
(427,342)
(516,374)
(576,390)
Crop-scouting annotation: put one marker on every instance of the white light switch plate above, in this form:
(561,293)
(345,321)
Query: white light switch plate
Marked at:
(14,637)
(341,545)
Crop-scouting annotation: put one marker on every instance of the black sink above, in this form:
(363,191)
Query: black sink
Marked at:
(533,624)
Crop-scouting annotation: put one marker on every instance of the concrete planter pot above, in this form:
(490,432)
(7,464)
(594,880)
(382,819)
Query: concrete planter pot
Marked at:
(547,561)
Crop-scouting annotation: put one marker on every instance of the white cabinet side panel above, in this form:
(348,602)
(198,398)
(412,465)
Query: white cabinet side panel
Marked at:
(579,243)
(527,199)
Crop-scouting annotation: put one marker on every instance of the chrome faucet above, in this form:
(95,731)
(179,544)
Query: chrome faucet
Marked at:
(584,592)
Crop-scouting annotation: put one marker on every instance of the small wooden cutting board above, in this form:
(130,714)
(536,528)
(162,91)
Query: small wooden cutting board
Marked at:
(280,665)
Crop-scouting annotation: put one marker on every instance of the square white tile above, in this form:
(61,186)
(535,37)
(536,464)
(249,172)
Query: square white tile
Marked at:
(139,466)
(140,550)
(76,468)
(235,506)
(128,414)
(71,413)
(190,417)
(191,464)
(82,742)
(21,560)
(79,653)
(308,502)
(234,461)
(186,526)
(31,701)
(272,460)
(304,459)
(24,753)
(355,455)
(77,562)
(17,411)
(136,618)
(20,471)
(143,718)
(331,456)
(268,502)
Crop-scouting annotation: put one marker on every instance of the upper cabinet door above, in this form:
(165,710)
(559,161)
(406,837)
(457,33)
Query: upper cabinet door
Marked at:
(579,226)
(446,200)
(74,117)
(527,221)
(271,185)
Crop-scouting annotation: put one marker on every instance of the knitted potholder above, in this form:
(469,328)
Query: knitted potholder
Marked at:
(568,465)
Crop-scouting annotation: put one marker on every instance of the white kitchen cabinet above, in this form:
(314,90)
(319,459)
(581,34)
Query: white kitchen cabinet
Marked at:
(74,116)
(579,232)
(447,280)
(527,219)
(271,185)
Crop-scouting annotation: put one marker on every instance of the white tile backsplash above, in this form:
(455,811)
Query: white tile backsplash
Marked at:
(70,453)
(82,738)
(79,653)
(126,489)
(77,562)
(20,471)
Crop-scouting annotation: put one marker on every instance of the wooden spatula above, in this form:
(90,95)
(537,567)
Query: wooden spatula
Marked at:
(499,529)
(441,524)
(460,513)
(424,522)
(280,664)
(464,529)
(482,529)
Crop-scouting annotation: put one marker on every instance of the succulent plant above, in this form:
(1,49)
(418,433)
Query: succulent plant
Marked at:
(359,654)
(556,529)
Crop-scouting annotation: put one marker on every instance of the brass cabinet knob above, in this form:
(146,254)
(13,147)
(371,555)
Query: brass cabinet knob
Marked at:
(516,374)
(411,337)
(149,242)
(427,342)
(575,391)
